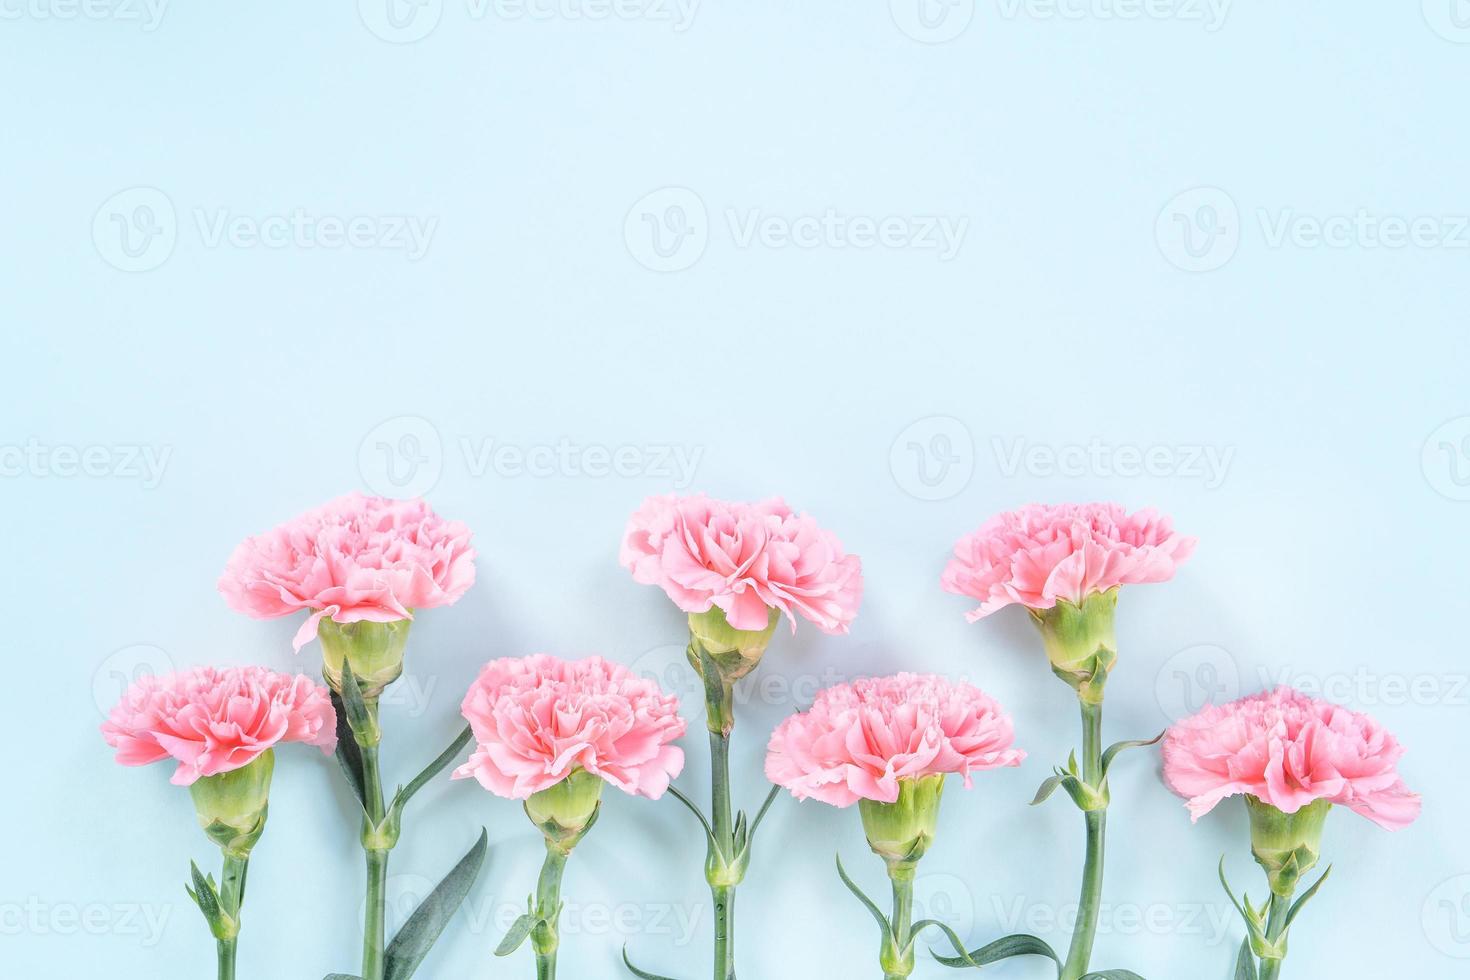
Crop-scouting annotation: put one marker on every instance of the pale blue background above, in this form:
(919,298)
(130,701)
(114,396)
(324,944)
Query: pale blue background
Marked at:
(1332,545)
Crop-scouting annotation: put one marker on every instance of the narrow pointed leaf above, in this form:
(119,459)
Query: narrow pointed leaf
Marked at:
(761,813)
(358,718)
(1245,963)
(1002,949)
(1116,747)
(349,754)
(519,930)
(411,945)
(709,832)
(1048,787)
(342,976)
(436,767)
(1113,975)
(954,939)
(1306,895)
(642,975)
(204,894)
(852,887)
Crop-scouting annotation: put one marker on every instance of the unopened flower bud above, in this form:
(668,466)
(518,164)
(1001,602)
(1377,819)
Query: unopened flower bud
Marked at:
(1286,845)
(375,651)
(232,805)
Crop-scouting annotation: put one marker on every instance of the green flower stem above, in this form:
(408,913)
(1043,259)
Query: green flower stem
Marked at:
(544,939)
(901,874)
(1275,925)
(1080,953)
(374,918)
(232,894)
(722,893)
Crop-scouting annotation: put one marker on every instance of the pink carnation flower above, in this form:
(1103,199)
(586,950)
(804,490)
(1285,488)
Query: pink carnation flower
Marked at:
(356,558)
(1042,552)
(538,718)
(747,559)
(215,720)
(858,740)
(1287,749)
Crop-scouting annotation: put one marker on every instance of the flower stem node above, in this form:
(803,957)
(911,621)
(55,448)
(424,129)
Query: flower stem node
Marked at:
(1286,845)
(901,832)
(722,655)
(566,811)
(374,651)
(1080,641)
(232,805)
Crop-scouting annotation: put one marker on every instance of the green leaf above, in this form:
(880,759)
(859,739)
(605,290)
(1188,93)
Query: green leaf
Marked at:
(342,976)
(852,887)
(709,832)
(1048,787)
(954,939)
(1306,895)
(637,972)
(204,894)
(411,945)
(761,814)
(1116,747)
(1245,963)
(519,930)
(1018,945)
(1113,975)
(349,754)
(437,766)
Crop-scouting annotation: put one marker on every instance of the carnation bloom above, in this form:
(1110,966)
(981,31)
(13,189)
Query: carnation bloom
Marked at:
(1288,750)
(745,559)
(538,720)
(355,559)
(1042,553)
(216,720)
(858,741)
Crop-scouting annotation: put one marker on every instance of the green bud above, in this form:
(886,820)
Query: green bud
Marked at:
(566,811)
(1286,845)
(902,831)
(375,651)
(232,805)
(1080,642)
(734,653)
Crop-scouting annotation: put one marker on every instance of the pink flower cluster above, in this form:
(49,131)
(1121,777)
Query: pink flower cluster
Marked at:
(747,559)
(215,720)
(1288,749)
(858,740)
(356,558)
(1041,553)
(537,718)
